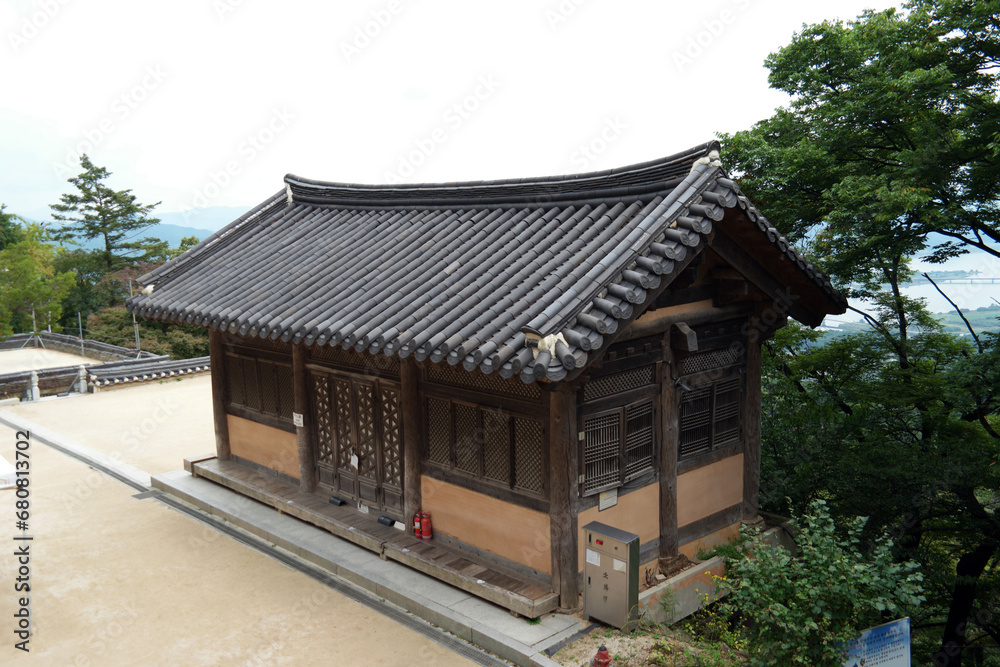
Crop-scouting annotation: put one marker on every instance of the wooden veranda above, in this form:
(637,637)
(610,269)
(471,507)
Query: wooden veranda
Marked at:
(450,564)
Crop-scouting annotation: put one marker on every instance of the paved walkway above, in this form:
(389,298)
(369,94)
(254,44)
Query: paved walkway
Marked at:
(191,589)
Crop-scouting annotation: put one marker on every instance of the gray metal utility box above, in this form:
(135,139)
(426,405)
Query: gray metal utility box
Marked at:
(610,575)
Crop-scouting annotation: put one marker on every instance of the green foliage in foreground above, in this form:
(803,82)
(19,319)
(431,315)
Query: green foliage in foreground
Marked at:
(806,609)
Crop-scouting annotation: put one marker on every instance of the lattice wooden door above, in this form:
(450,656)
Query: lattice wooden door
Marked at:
(359,446)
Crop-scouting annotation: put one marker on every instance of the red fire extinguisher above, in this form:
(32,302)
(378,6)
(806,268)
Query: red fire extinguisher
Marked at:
(426,532)
(417,533)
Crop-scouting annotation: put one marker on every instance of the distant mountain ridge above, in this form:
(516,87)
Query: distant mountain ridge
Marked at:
(212,218)
(173,225)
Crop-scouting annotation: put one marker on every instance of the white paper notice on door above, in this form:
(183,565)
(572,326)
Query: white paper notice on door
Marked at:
(593,557)
(354,461)
(619,565)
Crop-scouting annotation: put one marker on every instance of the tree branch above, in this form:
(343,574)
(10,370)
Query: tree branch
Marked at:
(958,310)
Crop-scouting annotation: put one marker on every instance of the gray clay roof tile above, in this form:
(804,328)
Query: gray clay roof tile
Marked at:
(455,272)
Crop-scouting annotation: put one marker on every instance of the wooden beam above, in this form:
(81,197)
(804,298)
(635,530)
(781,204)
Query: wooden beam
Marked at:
(303,434)
(682,337)
(727,291)
(788,301)
(564,457)
(727,273)
(677,297)
(218,357)
(409,401)
(657,321)
(669,433)
(751,432)
(695,256)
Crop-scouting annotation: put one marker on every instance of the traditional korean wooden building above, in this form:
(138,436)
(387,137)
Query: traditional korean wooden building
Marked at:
(511,356)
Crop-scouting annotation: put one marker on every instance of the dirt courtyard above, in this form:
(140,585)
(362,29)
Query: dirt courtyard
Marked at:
(36,358)
(118,580)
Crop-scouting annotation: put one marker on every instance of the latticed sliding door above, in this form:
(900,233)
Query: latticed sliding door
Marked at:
(359,446)
(391,455)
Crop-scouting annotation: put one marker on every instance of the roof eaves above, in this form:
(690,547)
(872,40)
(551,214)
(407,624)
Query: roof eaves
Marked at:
(586,313)
(212,240)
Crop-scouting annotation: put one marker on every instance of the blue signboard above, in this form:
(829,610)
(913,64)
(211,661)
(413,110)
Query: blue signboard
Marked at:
(885,645)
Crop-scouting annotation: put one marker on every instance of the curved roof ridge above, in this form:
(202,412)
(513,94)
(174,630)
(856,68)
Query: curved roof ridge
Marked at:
(640,178)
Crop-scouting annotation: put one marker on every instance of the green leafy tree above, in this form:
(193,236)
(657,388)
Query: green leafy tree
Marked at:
(903,431)
(893,134)
(114,325)
(889,149)
(95,211)
(186,244)
(31,284)
(806,609)
(10,228)
(96,288)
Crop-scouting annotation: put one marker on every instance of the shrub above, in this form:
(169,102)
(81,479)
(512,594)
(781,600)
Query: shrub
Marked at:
(807,609)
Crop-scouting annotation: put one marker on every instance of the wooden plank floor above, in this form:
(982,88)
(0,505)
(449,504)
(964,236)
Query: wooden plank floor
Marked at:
(446,563)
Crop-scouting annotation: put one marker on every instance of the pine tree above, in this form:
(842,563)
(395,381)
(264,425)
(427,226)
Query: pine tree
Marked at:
(96,211)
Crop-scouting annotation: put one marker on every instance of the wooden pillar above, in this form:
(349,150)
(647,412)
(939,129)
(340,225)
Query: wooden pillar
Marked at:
(409,401)
(751,431)
(303,436)
(563,470)
(669,434)
(218,360)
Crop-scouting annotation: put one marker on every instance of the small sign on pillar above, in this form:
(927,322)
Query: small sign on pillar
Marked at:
(297,419)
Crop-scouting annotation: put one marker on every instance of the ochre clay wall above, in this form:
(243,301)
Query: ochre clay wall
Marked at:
(511,531)
(636,512)
(709,489)
(268,446)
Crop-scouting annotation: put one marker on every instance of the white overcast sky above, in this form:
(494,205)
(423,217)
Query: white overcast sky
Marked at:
(211,102)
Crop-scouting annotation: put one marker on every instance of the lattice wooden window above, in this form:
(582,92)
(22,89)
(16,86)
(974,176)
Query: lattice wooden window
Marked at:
(528,454)
(496,446)
(704,361)
(602,452)
(485,443)
(618,383)
(618,446)
(439,431)
(639,440)
(710,417)
(261,385)
(467,442)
